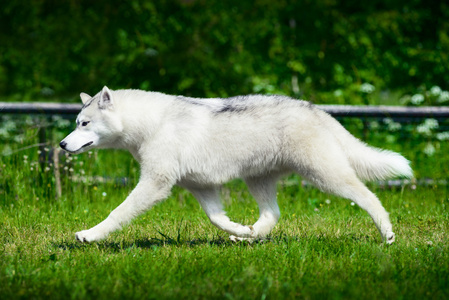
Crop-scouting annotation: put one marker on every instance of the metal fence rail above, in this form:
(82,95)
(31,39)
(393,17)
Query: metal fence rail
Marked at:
(335,110)
(380,111)
(39,108)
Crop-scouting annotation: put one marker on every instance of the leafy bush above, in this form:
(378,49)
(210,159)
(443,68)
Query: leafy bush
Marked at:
(308,49)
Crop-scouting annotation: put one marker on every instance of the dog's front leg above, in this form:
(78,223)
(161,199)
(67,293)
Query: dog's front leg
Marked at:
(143,197)
(210,201)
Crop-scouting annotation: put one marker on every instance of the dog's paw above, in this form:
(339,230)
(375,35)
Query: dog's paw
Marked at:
(249,236)
(389,237)
(88,236)
(236,239)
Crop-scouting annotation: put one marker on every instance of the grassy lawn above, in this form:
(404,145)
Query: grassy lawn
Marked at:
(323,247)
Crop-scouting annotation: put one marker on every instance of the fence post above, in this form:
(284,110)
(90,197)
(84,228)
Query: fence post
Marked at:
(57,172)
(43,141)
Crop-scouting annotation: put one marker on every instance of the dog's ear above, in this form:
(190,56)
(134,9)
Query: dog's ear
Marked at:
(85,97)
(105,99)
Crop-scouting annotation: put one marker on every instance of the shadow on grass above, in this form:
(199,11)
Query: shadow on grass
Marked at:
(320,241)
(150,243)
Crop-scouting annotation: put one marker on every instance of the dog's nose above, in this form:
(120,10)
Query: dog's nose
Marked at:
(63,144)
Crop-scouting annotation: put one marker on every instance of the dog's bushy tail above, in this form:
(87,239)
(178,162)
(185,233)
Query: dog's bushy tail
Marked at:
(369,163)
(372,163)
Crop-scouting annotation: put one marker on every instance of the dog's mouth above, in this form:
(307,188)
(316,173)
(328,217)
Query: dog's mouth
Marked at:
(80,149)
(87,144)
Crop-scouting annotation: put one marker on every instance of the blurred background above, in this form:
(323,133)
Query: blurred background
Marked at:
(326,51)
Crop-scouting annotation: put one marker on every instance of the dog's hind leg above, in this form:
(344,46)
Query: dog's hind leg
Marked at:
(341,180)
(210,202)
(263,190)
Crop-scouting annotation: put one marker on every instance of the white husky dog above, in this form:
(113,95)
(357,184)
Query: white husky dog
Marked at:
(200,144)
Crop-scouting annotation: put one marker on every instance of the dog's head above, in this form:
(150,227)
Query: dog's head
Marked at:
(97,125)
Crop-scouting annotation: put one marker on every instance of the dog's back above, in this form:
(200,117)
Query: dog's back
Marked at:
(254,134)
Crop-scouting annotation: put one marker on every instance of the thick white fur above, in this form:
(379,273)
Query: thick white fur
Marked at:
(202,143)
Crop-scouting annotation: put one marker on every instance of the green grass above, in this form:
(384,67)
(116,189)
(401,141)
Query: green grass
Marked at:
(319,249)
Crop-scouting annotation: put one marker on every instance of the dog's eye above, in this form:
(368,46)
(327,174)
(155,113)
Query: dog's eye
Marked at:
(85,123)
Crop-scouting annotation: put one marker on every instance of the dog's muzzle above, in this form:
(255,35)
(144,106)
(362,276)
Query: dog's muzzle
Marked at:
(63,145)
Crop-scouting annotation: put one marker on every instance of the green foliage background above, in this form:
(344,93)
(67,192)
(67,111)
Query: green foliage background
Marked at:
(305,49)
